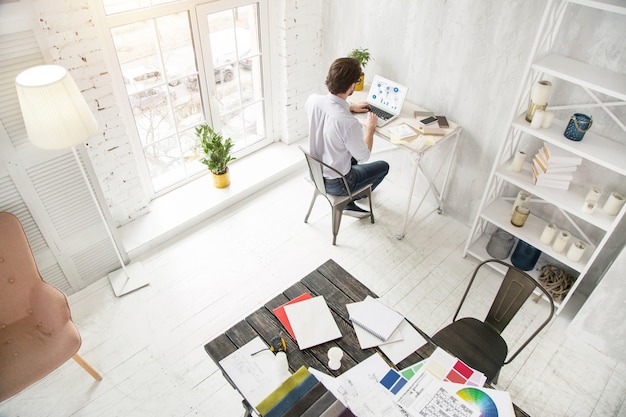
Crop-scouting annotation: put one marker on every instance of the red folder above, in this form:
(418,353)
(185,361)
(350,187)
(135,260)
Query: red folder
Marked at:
(280,314)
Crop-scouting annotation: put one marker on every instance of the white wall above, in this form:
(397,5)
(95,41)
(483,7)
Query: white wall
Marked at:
(463,59)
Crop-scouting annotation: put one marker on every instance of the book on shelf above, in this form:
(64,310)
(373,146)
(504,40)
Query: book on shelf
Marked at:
(375,317)
(540,173)
(543,181)
(554,154)
(545,167)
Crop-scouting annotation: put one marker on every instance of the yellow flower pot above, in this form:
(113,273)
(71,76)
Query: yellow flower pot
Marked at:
(359,85)
(221,180)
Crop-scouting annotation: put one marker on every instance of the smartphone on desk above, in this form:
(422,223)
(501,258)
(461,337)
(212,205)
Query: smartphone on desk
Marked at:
(428,120)
(443,122)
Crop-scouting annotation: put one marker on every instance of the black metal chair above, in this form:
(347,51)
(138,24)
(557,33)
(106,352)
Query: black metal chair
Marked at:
(337,203)
(479,343)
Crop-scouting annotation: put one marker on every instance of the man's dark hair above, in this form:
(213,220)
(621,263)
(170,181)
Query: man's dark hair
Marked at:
(343,72)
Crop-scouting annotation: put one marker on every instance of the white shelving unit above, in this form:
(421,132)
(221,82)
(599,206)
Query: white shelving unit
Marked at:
(606,89)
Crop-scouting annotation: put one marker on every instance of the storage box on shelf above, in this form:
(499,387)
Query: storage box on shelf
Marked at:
(602,157)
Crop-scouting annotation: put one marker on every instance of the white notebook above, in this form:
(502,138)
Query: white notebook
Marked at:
(411,341)
(375,317)
(312,322)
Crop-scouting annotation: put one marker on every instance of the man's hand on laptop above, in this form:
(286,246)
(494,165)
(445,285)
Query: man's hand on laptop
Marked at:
(372,120)
(361,107)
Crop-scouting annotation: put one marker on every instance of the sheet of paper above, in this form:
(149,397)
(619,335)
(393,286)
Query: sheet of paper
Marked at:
(400,132)
(446,367)
(360,390)
(411,341)
(312,322)
(424,395)
(490,402)
(256,376)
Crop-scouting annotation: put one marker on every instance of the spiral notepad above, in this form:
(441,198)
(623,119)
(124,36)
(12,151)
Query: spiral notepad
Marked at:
(375,317)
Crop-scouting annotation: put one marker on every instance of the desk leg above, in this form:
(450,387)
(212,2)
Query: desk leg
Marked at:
(405,222)
(448,169)
(247,408)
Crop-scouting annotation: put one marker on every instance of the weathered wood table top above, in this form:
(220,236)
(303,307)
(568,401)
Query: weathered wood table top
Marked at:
(338,288)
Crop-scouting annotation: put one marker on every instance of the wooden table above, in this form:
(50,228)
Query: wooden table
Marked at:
(338,288)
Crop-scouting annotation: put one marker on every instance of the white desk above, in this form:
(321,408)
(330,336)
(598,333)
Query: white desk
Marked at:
(417,148)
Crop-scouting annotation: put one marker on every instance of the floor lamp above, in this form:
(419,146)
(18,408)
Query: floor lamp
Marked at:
(57,117)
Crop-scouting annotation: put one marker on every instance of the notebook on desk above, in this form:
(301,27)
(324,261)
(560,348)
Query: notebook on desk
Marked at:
(385,99)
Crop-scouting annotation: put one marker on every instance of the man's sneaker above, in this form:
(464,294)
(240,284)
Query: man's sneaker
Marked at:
(355,211)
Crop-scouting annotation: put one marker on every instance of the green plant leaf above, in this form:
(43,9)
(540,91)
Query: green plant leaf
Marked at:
(216,148)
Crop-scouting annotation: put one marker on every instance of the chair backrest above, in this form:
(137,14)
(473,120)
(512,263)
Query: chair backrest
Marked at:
(36,331)
(316,169)
(514,290)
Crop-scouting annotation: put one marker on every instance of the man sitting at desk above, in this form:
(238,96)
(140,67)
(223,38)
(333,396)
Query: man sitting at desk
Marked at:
(336,137)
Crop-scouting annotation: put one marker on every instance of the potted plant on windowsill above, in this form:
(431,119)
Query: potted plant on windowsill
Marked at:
(217,154)
(363,56)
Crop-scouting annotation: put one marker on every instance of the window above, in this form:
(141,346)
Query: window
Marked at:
(200,64)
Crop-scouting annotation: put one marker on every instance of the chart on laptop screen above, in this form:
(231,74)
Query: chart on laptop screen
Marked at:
(387,94)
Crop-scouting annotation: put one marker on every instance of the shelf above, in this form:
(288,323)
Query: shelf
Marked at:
(604,81)
(594,148)
(498,213)
(602,156)
(571,200)
(614,6)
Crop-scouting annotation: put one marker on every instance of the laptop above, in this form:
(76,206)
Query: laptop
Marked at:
(385,99)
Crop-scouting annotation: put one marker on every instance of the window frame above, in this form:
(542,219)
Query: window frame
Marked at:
(191,7)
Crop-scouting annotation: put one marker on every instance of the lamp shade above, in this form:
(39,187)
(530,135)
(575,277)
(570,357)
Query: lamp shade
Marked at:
(55,113)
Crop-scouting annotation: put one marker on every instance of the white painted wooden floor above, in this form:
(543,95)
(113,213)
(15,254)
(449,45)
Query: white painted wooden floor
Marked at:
(149,344)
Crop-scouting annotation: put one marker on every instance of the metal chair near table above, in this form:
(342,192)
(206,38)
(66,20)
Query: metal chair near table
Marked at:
(479,342)
(337,203)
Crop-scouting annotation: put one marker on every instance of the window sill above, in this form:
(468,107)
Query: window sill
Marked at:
(197,201)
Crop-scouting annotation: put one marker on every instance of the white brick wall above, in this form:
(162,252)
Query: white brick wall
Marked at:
(72,40)
(299,50)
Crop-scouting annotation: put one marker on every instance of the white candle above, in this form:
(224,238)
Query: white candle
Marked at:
(541,92)
(589,206)
(594,194)
(575,252)
(282,365)
(614,203)
(518,161)
(537,119)
(547,119)
(561,241)
(523,198)
(548,233)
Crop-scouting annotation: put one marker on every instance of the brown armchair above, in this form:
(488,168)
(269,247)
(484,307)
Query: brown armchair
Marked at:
(37,334)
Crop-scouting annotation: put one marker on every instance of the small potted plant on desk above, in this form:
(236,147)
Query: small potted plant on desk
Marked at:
(216,154)
(363,56)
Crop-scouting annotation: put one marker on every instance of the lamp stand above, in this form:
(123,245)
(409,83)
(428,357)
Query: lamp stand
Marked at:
(127,278)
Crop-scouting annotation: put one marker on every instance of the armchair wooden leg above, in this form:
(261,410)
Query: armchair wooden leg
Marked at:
(87,367)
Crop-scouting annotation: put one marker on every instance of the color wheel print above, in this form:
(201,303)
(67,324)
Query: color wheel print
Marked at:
(480,399)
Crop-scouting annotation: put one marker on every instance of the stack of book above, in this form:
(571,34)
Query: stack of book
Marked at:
(554,167)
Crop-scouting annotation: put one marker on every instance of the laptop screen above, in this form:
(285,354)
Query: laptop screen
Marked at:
(386,94)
